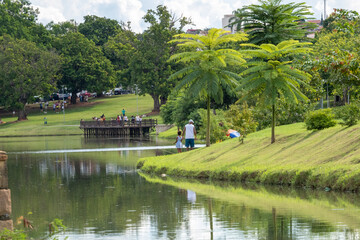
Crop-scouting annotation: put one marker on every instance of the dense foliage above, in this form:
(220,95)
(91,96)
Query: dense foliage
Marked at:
(320,119)
(204,69)
(206,74)
(272,21)
(349,114)
(149,67)
(25,71)
(84,65)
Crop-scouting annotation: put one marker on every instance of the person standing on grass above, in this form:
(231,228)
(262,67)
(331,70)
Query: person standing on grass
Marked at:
(123,112)
(190,135)
(179,138)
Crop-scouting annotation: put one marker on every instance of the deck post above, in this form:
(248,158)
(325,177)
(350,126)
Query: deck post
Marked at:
(5,195)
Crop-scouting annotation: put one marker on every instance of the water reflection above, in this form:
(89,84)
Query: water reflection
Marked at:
(100,195)
(260,212)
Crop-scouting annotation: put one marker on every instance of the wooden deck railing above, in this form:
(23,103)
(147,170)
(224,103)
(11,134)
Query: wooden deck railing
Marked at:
(118,124)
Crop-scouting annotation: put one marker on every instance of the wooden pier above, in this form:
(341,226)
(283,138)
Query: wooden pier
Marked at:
(118,128)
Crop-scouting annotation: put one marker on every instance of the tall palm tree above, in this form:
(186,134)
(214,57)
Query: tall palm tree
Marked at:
(205,71)
(271,75)
(272,21)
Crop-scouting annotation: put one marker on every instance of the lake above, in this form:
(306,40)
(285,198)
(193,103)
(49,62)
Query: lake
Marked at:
(93,186)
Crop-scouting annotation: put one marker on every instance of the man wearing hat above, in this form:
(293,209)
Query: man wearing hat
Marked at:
(190,135)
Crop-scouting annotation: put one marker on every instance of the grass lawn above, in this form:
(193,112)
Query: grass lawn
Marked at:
(327,158)
(60,124)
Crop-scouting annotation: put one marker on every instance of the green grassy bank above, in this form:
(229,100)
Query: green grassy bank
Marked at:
(328,158)
(68,123)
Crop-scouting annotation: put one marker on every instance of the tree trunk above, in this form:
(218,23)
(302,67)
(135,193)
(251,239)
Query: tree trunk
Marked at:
(208,123)
(73,98)
(163,100)
(345,92)
(22,114)
(156,103)
(273,125)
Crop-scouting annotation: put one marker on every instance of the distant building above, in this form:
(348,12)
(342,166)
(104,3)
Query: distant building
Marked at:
(193,31)
(226,21)
(197,31)
(315,30)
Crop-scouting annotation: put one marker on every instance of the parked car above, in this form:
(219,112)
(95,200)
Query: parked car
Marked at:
(86,94)
(64,95)
(54,97)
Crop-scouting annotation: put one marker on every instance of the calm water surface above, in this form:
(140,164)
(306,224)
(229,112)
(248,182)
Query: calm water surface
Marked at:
(94,187)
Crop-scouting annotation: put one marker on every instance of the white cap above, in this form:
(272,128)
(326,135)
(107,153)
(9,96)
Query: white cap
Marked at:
(191,121)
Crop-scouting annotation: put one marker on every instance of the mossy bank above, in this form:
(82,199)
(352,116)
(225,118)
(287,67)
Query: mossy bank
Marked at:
(321,159)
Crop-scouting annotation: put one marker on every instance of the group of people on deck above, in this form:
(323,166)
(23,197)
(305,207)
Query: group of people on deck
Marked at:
(120,118)
(133,119)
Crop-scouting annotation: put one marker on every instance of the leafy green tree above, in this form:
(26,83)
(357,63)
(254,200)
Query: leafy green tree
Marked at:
(84,67)
(272,21)
(271,75)
(25,71)
(337,59)
(149,67)
(217,123)
(205,71)
(18,19)
(62,28)
(120,50)
(342,20)
(180,108)
(99,29)
(241,118)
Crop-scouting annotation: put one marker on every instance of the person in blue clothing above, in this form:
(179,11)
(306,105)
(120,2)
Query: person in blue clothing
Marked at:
(178,142)
(123,112)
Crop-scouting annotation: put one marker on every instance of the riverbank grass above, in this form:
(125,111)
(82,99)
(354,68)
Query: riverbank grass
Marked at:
(324,159)
(68,123)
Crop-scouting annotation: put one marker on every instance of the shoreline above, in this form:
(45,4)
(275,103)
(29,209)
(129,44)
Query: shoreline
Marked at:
(327,159)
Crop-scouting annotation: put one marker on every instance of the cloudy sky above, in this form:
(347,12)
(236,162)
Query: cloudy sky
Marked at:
(204,13)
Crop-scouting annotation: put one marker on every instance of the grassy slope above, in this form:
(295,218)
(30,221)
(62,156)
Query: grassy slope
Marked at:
(56,126)
(327,158)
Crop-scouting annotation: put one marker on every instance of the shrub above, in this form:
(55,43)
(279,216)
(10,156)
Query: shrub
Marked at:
(218,126)
(241,118)
(349,114)
(320,119)
(286,113)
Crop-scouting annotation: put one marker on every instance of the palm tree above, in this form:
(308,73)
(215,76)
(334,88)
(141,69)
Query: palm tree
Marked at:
(206,71)
(271,74)
(272,21)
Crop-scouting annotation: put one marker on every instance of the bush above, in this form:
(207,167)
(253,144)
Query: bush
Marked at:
(218,126)
(179,109)
(241,118)
(320,119)
(286,113)
(348,113)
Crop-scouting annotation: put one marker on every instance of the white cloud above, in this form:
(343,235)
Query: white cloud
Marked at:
(62,10)
(204,13)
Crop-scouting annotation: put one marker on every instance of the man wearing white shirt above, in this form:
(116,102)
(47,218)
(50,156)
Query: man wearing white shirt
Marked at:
(190,135)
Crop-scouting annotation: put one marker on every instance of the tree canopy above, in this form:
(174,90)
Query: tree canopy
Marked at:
(272,21)
(25,71)
(205,72)
(149,68)
(271,74)
(99,29)
(84,65)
